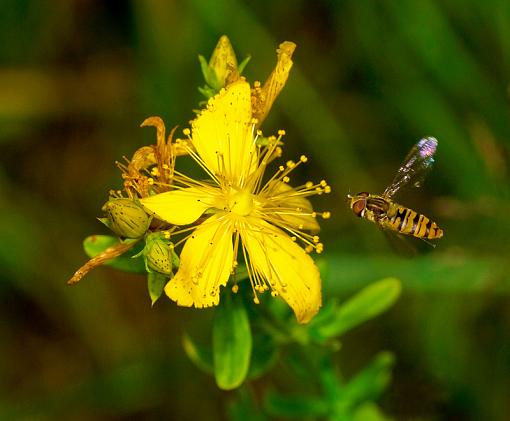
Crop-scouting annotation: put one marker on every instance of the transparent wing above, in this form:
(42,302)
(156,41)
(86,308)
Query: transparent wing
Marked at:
(415,167)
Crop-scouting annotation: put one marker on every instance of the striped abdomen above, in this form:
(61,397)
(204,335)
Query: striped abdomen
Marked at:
(406,221)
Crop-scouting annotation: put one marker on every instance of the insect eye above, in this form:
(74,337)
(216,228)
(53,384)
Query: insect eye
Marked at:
(358,207)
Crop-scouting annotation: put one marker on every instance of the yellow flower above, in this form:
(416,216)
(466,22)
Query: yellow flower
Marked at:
(241,214)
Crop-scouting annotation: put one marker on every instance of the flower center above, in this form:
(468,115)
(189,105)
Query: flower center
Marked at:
(240,202)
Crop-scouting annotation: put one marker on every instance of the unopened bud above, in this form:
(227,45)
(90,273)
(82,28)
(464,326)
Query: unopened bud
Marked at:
(159,254)
(126,218)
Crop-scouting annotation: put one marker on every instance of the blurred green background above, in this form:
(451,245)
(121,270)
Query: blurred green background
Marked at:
(370,78)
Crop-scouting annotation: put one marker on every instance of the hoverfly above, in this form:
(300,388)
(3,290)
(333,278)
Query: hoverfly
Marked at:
(389,215)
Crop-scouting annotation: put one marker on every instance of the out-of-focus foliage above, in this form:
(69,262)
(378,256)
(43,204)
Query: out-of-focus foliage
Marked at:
(369,79)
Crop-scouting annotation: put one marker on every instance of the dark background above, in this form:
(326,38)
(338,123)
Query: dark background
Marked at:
(370,78)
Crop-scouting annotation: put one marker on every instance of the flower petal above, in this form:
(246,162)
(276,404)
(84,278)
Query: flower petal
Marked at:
(296,209)
(286,267)
(206,264)
(223,133)
(179,207)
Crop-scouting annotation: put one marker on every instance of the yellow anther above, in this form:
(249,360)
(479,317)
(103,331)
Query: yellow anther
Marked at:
(281,168)
(285,179)
(256,300)
(254,120)
(293,238)
(186,131)
(323,183)
(314,214)
(309,185)
(235,288)
(166,166)
(274,293)
(256,84)
(150,181)
(291,164)
(303,158)
(308,249)
(319,248)
(315,239)
(281,132)
(327,189)
(259,132)
(326,215)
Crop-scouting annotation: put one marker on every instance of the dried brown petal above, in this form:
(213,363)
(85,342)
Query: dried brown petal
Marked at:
(263,97)
(109,253)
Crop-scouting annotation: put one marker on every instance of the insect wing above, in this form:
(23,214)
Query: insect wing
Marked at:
(415,166)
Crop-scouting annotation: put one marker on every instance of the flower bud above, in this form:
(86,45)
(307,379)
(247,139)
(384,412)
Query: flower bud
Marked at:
(223,61)
(126,218)
(158,256)
(222,69)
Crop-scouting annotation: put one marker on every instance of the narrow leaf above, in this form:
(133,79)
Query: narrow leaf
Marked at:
(155,284)
(369,411)
(264,355)
(198,355)
(370,382)
(295,406)
(366,304)
(245,408)
(232,342)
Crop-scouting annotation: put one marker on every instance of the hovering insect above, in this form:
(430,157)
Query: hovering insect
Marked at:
(389,215)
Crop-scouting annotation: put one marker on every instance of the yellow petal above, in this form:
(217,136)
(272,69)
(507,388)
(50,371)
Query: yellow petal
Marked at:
(286,267)
(223,134)
(295,211)
(179,207)
(206,263)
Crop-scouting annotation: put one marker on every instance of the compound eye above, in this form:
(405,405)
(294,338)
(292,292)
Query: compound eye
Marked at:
(358,207)
(363,193)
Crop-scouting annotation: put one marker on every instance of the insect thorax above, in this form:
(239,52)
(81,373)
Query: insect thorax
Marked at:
(377,208)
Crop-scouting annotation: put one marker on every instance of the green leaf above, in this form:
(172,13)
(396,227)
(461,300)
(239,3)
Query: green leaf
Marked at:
(156,283)
(198,355)
(295,406)
(330,380)
(244,408)
(232,342)
(370,382)
(207,72)
(243,64)
(96,244)
(264,355)
(369,411)
(366,304)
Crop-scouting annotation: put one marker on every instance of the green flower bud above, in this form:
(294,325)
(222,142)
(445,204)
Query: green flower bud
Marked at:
(126,218)
(158,256)
(222,69)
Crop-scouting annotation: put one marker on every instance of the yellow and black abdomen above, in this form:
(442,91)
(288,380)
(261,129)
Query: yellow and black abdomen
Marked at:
(408,222)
